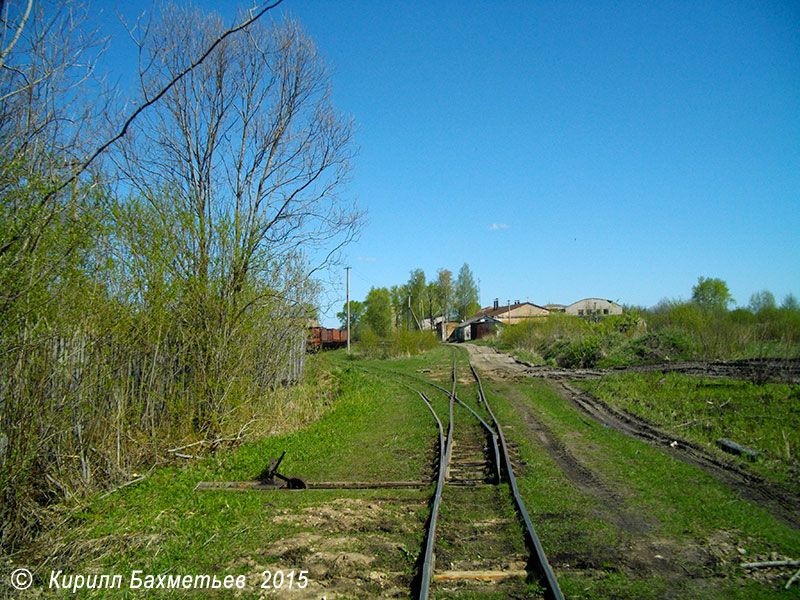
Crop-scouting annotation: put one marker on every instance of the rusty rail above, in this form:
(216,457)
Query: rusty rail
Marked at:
(544,568)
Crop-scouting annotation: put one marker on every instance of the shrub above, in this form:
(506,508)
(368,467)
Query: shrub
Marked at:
(397,343)
(583,352)
(666,344)
(405,343)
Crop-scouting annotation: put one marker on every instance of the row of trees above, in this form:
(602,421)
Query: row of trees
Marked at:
(712,293)
(415,304)
(701,328)
(156,270)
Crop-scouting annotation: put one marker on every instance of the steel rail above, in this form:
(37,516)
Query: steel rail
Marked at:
(545,569)
(426,572)
(426,575)
(492,433)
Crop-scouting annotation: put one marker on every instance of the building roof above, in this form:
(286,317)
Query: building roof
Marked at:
(596,299)
(480,318)
(502,310)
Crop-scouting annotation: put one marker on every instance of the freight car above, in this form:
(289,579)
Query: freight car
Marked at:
(324,338)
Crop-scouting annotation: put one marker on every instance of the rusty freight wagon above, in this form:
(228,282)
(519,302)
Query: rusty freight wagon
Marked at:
(324,338)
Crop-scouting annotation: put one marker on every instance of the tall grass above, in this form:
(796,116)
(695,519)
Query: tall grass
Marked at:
(672,331)
(110,358)
(398,343)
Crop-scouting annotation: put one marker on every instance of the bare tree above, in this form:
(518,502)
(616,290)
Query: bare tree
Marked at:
(242,160)
(238,191)
(248,148)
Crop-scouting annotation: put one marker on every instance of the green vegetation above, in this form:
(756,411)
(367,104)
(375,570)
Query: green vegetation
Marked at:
(396,343)
(711,294)
(136,320)
(701,329)
(370,428)
(618,518)
(763,417)
(413,305)
(632,521)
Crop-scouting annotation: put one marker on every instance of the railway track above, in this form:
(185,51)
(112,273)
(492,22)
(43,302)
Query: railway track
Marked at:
(480,541)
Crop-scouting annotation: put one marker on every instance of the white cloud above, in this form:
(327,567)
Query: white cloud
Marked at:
(366,258)
(496,226)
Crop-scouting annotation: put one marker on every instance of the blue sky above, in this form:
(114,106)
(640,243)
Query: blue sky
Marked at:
(570,149)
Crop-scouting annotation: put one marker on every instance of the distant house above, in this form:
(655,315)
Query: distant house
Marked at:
(444,329)
(554,308)
(475,328)
(594,308)
(513,313)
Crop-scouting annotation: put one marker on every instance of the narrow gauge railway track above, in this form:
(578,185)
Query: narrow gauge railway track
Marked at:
(462,552)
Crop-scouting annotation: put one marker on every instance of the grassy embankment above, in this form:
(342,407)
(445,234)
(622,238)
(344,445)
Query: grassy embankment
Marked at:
(674,332)
(373,428)
(639,525)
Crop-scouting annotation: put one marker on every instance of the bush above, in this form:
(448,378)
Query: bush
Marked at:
(673,331)
(667,344)
(406,343)
(583,352)
(397,343)
(369,344)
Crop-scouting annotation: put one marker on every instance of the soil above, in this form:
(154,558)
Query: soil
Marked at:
(776,499)
(346,554)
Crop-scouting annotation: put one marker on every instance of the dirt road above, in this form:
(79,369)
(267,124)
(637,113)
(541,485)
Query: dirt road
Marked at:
(779,501)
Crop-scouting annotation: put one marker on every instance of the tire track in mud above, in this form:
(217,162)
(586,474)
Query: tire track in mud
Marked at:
(640,553)
(762,370)
(777,500)
(611,504)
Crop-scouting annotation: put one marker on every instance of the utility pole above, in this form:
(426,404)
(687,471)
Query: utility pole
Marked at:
(348,308)
(408,310)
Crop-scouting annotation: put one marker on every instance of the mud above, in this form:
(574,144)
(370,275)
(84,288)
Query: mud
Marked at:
(779,501)
(347,553)
(774,498)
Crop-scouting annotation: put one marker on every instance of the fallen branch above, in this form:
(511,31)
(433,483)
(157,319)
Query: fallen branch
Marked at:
(692,422)
(188,446)
(215,442)
(794,578)
(124,485)
(771,563)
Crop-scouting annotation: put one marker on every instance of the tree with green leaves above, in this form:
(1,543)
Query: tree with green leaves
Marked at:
(356,314)
(761,301)
(399,300)
(711,293)
(446,291)
(466,293)
(417,292)
(433,301)
(790,303)
(378,314)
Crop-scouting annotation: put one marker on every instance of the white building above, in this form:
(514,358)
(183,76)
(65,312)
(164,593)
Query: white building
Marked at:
(594,307)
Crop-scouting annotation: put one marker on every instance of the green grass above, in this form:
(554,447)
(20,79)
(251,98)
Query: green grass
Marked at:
(763,417)
(375,427)
(676,506)
(374,430)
